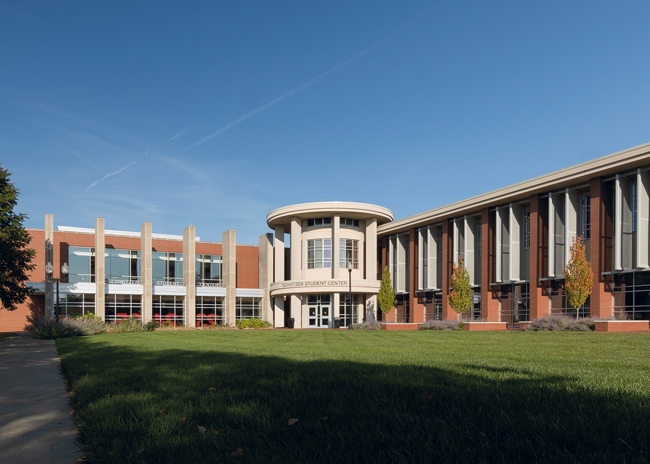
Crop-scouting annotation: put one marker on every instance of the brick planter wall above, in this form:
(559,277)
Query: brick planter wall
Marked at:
(487,326)
(622,326)
(523,325)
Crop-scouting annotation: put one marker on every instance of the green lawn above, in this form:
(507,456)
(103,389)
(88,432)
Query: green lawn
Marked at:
(361,396)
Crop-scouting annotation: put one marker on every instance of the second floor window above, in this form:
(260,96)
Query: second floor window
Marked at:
(319,254)
(348,251)
(208,270)
(167,268)
(82,264)
(122,266)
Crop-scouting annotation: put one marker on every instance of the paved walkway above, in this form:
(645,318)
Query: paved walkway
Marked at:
(35,424)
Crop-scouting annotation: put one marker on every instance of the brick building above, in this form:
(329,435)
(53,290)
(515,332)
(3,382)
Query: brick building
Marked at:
(515,242)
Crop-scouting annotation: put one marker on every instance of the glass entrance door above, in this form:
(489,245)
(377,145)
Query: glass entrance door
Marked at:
(318,316)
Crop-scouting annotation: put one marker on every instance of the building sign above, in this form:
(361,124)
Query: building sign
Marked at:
(315,283)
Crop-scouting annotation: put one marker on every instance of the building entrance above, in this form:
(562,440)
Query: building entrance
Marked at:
(319,311)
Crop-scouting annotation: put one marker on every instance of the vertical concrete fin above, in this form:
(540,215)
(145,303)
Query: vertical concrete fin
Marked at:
(146,277)
(498,258)
(296,239)
(422,256)
(266,275)
(100,274)
(456,240)
(551,236)
(49,258)
(189,275)
(643,219)
(336,233)
(571,214)
(371,249)
(229,250)
(468,244)
(515,220)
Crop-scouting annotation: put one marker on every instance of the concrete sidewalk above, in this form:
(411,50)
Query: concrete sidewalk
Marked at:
(35,421)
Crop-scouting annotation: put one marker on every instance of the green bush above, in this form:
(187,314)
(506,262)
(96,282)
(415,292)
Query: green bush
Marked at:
(368,325)
(440,325)
(127,325)
(151,326)
(252,323)
(87,325)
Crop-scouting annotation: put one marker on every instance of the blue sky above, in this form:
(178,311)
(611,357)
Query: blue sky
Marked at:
(215,113)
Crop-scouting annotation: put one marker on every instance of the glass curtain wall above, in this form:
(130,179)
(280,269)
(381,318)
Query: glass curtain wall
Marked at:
(632,296)
(559,302)
(76,304)
(248,308)
(122,266)
(82,264)
(348,315)
(167,268)
(208,271)
(120,307)
(209,310)
(168,309)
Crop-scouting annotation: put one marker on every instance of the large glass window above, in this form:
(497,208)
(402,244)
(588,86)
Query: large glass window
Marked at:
(348,315)
(249,308)
(168,308)
(167,268)
(632,296)
(120,307)
(515,303)
(560,304)
(76,304)
(348,252)
(208,270)
(319,254)
(122,266)
(209,310)
(585,219)
(82,264)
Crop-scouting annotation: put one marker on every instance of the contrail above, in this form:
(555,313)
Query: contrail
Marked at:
(168,140)
(303,86)
(109,175)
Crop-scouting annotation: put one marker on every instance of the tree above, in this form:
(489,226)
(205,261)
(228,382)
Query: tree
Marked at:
(577,276)
(15,257)
(386,295)
(460,297)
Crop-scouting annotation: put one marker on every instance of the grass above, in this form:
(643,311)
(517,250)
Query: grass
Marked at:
(6,335)
(361,396)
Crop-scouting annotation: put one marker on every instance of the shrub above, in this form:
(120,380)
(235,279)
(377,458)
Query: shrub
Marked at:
(48,328)
(151,326)
(127,325)
(560,323)
(88,315)
(368,325)
(87,325)
(252,324)
(441,325)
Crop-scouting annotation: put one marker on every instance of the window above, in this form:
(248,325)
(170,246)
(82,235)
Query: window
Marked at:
(319,222)
(526,229)
(209,310)
(348,315)
(479,239)
(634,208)
(167,268)
(76,304)
(347,222)
(319,254)
(82,264)
(585,217)
(208,270)
(348,251)
(120,307)
(249,308)
(122,266)
(168,309)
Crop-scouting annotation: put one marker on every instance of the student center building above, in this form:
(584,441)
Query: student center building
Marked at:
(515,242)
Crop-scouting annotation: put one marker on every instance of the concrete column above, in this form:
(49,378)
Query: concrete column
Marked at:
(296,241)
(278,251)
(296,308)
(189,275)
(303,259)
(229,258)
(146,272)
(469,225)
(515,223)
(266,275)
(100,269)
(601,249)
(336,227)
(498,242)
(371,249)
(643,219)
(539,303)
(336,301)
(49,258)
(571,220)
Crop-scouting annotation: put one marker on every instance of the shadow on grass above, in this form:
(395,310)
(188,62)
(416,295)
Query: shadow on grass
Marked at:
(146,406)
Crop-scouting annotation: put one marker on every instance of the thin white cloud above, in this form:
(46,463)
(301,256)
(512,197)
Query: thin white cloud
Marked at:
(109,175)
(309,83)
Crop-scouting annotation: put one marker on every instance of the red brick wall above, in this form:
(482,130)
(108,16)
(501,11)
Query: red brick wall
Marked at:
(247,266)
(416,304)
(601,225)
(622,326)
(539,304)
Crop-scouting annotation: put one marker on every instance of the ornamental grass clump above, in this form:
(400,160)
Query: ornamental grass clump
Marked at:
(86,325)
(440,325)
(48,328)
(368,325)
(252,323)
(560,323)
(127,325)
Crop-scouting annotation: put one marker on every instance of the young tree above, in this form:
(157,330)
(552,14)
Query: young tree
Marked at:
(15,257)
(460,297)
(577,276)
(386,295)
